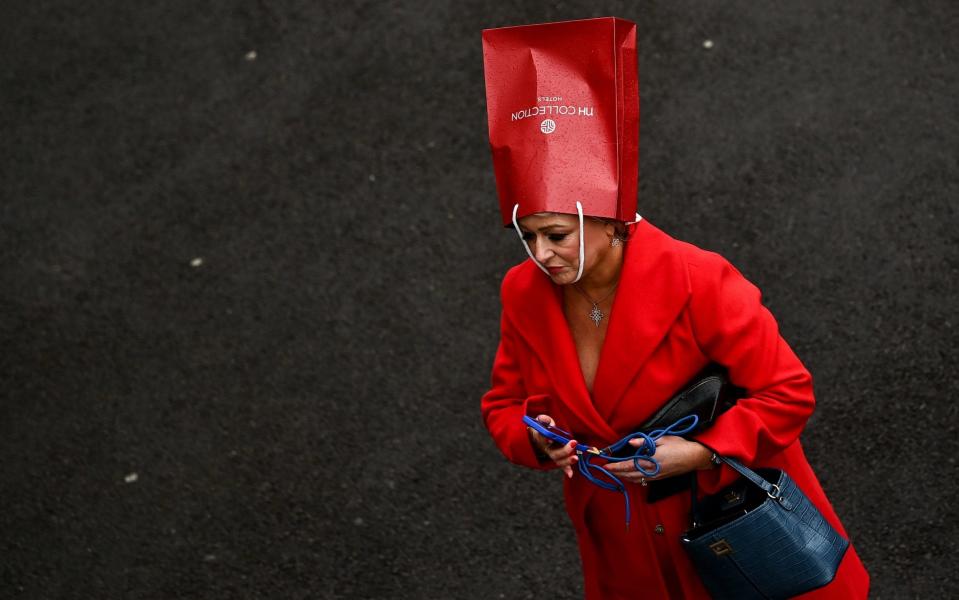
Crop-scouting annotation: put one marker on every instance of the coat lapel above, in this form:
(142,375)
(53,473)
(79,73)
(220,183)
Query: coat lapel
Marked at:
(537,313)
(653,289)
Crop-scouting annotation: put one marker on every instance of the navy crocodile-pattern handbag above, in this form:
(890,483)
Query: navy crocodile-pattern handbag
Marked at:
(762,538)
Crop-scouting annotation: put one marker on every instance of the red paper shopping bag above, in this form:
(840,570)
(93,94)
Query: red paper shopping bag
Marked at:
(563,110)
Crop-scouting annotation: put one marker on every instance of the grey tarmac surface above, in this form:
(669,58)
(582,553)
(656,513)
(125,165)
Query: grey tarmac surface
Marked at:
(250,267)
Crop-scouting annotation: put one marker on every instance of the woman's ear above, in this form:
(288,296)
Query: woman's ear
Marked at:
(611,230)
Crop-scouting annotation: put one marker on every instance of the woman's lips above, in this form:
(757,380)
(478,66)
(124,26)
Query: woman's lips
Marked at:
(555,270)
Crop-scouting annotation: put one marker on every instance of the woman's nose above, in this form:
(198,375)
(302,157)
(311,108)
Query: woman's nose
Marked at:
(542,252)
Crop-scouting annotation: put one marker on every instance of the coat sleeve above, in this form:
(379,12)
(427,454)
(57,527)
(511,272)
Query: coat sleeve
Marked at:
(505,404)
(733,328)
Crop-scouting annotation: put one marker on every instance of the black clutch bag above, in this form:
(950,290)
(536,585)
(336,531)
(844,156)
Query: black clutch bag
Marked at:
(707,395)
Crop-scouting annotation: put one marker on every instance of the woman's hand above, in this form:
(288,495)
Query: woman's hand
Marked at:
(563,456)
(675,455)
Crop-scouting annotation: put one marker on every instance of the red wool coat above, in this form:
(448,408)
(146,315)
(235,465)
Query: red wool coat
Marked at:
(677,308)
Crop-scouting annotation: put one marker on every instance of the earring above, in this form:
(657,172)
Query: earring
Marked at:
(616,241)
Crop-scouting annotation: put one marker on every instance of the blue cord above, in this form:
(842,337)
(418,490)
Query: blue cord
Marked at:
(644,452)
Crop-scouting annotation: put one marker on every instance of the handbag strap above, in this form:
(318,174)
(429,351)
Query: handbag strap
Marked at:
(771,489)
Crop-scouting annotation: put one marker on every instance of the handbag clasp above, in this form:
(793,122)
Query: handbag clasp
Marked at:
(777,495)
(721,548)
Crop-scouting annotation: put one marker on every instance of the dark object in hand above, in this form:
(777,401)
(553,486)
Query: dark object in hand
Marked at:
(707,395)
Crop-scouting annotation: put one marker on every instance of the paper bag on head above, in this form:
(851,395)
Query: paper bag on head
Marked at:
(562,102)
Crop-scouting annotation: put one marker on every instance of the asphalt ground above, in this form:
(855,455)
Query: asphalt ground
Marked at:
(249,302)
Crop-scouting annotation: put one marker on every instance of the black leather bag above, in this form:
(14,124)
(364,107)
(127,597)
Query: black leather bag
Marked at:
(707,395)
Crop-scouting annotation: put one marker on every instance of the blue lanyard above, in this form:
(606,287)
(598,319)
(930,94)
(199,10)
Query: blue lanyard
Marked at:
(644,452)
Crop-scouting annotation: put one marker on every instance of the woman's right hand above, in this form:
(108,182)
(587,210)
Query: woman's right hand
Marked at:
(563,456)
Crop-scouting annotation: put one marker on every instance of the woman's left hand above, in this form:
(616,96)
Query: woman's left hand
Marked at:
(675,455)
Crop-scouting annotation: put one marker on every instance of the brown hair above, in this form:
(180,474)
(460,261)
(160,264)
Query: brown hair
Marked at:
(622,231)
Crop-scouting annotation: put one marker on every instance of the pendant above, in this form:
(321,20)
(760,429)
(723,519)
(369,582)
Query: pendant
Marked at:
(596,315)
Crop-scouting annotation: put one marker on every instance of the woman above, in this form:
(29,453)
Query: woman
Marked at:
(611,316)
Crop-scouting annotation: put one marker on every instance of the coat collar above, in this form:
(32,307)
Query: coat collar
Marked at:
(653,289)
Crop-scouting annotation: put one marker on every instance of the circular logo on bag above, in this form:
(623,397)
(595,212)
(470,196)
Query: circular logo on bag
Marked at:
(547,126)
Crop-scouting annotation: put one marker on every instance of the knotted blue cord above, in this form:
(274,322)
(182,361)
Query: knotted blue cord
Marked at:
(644,452)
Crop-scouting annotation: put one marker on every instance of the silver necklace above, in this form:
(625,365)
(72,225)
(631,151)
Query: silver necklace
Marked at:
(595,314)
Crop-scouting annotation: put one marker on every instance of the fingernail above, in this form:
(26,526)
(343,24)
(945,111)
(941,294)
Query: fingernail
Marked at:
(569,473)
(573,443)
(575,459)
